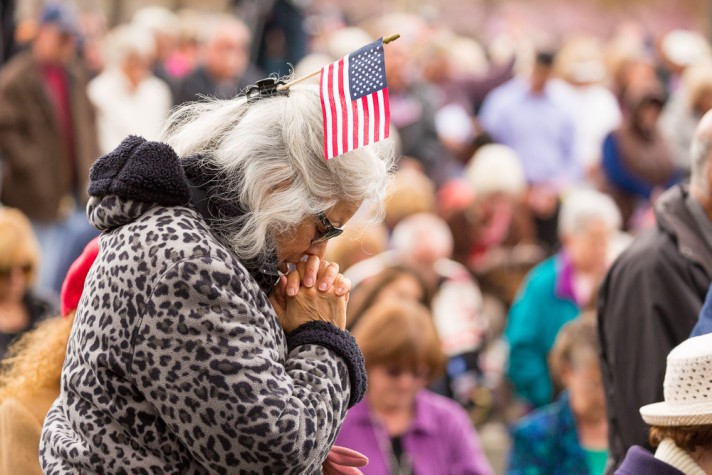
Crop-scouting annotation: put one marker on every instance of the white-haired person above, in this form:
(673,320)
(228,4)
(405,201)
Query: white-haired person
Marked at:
(681,425)
(127,97)
(423,242)
(556,290)
(210,337)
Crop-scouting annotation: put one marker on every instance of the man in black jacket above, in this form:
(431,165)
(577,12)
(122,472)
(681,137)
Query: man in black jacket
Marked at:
(650,299)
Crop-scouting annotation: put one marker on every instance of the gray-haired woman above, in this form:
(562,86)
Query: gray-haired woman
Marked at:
(191,353)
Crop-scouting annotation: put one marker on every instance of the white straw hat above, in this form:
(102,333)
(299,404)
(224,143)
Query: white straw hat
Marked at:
(687,387)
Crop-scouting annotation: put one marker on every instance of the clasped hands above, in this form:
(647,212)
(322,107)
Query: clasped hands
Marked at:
(314,291)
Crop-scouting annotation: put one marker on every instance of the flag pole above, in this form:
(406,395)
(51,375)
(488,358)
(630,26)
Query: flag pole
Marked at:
(282,87)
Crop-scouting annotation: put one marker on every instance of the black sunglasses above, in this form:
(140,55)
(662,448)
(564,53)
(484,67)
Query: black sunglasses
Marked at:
(330,231)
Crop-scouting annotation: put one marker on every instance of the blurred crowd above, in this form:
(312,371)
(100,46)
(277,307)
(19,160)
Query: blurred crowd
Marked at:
(546,242)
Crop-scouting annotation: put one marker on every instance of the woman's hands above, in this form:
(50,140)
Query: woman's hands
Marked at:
(314,291)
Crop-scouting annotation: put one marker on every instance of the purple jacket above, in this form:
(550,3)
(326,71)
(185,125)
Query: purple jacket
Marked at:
(440,440)
(639,461)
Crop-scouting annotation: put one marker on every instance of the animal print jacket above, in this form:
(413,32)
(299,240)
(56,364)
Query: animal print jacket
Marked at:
(177,362)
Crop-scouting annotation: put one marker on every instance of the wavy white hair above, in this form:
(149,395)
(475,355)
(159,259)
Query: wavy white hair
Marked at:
(272,152)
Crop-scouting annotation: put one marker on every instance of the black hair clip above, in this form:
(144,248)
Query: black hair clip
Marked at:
(266,87)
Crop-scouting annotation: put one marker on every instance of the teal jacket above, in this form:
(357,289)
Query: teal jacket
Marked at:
(544,304)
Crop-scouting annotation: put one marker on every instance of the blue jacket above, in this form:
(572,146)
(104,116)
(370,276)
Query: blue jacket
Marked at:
(538,313)
(546,443)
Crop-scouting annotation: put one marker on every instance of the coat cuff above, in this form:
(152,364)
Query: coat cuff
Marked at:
(340,342)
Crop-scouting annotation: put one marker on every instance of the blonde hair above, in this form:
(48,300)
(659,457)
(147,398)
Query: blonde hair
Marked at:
(35,360)
(18,246)
(271,152)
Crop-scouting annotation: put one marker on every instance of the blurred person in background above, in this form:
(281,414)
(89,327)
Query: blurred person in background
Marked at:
(393,283)
(651,296)
(684,110)
(184,58)
(30,374)
(680,425)
(580,64)
(568,436)
(424,243)
(48,142)
(679,50)
(533,115)
(400,426)
(492,229)
(557,290)
(413,102)
(128,98)
(637,162)
(164,26)
(224,68)
(20,307)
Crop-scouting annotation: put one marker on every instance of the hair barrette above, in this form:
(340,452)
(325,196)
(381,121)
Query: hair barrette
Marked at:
(267,87)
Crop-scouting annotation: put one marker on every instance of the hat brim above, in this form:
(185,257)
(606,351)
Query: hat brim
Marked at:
(669,415)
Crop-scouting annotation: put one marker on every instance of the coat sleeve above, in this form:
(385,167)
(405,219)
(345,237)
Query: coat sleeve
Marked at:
(227,392)
(646,307)
(18,148)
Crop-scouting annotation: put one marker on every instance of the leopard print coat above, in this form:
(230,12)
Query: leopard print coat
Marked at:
(177,362)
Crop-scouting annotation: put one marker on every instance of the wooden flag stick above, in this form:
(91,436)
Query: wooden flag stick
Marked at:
(282,87)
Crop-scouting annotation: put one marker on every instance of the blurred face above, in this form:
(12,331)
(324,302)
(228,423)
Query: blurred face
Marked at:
(14,282)
(52,45)
(226,55)
(391,388)
(136,69)
(648,116)
(292,247)
(585,388)
(589,247)
(405,287)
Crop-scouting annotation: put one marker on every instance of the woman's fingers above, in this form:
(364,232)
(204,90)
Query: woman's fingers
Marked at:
(293,283)
(342,285)
(328,273)
(311,270)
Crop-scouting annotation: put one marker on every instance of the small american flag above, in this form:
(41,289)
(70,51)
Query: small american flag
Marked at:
(354,100)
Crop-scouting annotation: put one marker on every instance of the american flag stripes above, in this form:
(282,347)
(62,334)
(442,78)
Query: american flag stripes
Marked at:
(354,100)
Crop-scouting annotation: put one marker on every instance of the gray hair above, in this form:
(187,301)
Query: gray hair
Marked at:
(126,40)
(422,228)
(582,207)
(272,153)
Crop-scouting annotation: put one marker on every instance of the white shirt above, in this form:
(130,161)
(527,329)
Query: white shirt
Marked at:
(122,112)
